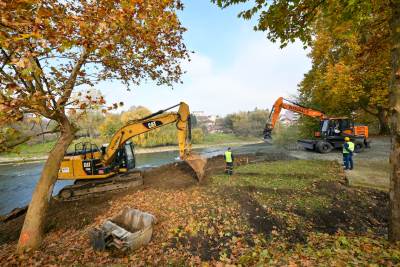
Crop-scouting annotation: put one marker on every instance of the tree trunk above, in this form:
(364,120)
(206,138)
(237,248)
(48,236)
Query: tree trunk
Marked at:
(394,97)
(32,230)
(383,122)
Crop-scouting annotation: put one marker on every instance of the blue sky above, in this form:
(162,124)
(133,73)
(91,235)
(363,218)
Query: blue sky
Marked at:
(233,67)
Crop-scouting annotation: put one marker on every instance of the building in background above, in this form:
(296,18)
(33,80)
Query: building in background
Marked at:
(207,122)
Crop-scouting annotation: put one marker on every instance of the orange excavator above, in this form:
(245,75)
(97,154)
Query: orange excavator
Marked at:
(332,130)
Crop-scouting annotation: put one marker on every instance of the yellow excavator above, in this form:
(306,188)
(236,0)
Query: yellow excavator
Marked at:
(113,166)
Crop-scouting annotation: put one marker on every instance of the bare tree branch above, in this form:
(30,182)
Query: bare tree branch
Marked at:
(45,80)
(29,88)
(69,84)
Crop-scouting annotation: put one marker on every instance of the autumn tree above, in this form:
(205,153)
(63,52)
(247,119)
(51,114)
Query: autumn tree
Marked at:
(288,20)
(48,48)
(110,125)
(134,113)
(91,116)
(350,69)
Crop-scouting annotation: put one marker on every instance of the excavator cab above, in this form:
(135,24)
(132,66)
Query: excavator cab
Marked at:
(85,150)
(336,127)
(125,158)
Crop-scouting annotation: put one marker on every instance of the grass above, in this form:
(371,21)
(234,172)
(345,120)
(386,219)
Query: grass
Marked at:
(280,175)
(30,150)
(285,184)
(370,173)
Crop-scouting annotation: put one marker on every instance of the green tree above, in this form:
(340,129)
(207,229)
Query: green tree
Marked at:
(49,47)
(288,20)
(193,121)
(250,123)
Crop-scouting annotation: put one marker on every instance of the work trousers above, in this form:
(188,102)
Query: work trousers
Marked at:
(348,161)
(229,168)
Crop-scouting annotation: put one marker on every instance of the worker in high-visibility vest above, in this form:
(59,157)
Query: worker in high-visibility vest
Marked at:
(348,149)
(229,161)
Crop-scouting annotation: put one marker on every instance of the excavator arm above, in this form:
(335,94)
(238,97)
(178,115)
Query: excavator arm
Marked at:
(282,103)
(152,122)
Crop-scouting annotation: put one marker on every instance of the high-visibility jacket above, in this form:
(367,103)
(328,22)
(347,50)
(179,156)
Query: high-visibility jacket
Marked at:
(351,147)
(228,156)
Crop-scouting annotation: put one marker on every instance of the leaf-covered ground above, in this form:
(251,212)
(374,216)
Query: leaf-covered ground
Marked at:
(277,213)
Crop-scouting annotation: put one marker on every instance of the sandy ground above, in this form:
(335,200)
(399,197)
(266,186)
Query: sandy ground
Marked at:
(371,167)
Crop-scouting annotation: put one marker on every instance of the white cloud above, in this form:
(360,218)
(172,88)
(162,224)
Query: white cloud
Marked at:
(258,74)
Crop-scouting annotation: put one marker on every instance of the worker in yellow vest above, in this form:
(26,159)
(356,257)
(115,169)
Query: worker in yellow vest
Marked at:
(229,161)
(348,149)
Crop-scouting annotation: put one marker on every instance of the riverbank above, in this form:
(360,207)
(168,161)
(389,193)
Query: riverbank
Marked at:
(37,158)
(18,180)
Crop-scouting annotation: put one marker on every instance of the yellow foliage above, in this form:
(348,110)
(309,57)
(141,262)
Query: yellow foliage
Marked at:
(350,73)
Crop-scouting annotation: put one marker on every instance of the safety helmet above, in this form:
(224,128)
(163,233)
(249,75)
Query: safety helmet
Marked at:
(347,139)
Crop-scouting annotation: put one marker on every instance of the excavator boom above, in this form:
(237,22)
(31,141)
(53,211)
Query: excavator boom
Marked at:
(289,105)
(150,123)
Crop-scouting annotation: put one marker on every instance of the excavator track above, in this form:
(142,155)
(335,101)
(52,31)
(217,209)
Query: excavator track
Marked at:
(92,187)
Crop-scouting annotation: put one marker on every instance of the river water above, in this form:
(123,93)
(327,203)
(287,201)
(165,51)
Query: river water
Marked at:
(17,181)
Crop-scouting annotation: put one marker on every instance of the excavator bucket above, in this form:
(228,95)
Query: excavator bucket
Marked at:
(198,164)
(268,135)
